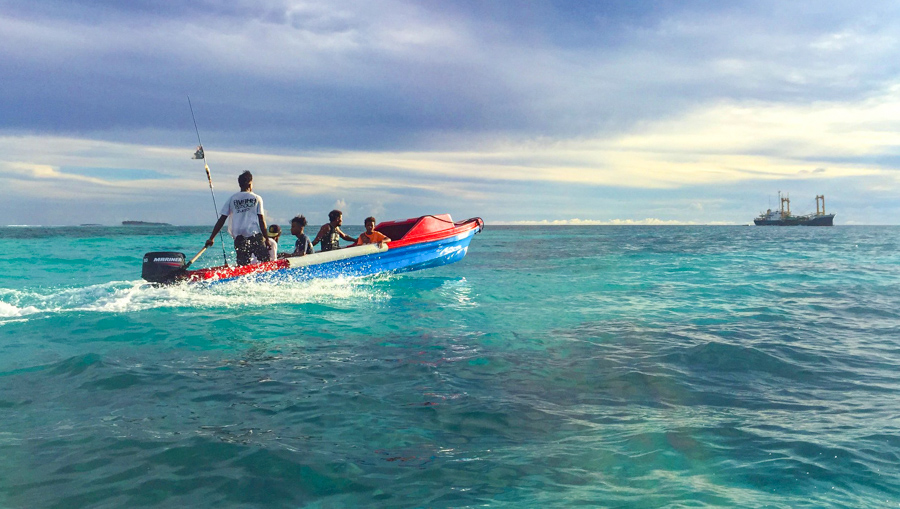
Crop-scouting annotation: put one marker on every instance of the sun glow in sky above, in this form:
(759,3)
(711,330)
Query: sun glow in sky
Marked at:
(546,112)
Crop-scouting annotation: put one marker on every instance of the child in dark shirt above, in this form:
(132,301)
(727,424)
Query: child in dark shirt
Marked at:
(303,246)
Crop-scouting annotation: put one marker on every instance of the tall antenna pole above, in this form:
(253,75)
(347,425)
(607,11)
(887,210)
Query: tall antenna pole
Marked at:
(199,154)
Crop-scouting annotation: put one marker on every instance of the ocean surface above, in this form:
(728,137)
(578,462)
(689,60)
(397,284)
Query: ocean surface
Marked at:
(588,366)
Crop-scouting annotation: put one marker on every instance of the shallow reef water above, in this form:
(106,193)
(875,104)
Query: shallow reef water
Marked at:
(598,366)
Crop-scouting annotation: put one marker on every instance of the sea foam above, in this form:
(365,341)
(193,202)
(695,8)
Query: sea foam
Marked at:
(132,296)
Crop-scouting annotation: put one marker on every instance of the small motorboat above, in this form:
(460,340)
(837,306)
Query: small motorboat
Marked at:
(416,243)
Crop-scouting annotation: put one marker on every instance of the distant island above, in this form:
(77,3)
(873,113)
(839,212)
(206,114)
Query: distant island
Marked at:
(143,223)
(90,224)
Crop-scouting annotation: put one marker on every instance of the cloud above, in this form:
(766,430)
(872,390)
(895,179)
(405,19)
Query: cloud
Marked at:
(114,173)
(722,144)
(546,110)
(650,221)
(395,74)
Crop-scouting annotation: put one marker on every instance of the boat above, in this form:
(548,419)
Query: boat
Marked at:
(783,216)
(416,243)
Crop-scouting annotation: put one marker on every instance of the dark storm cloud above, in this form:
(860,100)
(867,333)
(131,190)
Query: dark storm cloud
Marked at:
(393,74)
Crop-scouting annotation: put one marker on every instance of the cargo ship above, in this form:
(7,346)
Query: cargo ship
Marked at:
(783,216)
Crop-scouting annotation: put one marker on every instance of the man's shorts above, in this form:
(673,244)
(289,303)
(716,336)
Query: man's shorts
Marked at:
(246,246)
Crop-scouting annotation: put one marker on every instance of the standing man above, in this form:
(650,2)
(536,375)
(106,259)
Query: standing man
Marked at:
(330,233)
(244,210)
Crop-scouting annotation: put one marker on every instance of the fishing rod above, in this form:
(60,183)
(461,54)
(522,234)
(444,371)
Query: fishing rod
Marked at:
(199,154)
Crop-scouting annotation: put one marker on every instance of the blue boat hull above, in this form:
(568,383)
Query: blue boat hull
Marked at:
(418,243)
(401,259)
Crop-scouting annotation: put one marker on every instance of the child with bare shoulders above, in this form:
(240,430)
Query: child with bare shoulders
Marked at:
(370,236)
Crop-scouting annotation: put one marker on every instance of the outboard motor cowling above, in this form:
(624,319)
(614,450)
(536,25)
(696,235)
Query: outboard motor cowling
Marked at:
(162,267)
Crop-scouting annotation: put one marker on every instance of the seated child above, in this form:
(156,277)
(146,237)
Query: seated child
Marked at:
(274,233)
(303,246)
(371,236)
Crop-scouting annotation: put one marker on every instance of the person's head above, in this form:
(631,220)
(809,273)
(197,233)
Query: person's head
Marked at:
(245,180)
(370,224)
(274,232)
(336,217)
(297,225)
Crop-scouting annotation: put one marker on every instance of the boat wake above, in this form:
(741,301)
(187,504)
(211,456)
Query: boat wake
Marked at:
(135,296)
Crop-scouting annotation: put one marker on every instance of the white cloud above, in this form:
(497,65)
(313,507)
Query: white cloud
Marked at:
(650,221)
(723,144)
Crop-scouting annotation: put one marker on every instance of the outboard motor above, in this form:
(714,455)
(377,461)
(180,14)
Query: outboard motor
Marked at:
(162,267)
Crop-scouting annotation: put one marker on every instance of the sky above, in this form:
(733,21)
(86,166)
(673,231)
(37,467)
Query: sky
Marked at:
(536,112)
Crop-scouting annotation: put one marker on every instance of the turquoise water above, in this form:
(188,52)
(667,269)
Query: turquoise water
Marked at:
(552,367)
